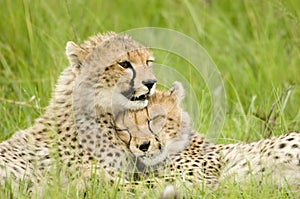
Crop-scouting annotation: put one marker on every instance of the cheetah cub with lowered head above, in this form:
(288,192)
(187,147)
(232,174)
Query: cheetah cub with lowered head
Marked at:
(201,161)
(108,74)
(181,152)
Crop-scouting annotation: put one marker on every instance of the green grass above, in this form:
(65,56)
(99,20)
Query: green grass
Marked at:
(255,45)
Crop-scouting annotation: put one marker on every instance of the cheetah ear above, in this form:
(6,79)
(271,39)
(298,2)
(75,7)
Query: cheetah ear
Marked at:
(75,54)
(122,126)
(124,135)
(178,90)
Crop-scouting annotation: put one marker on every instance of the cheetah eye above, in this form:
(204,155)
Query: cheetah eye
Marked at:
(156,124)
(125,64)
(149,62)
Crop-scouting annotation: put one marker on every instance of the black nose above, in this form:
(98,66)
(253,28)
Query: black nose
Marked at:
(144,146)
(149,83)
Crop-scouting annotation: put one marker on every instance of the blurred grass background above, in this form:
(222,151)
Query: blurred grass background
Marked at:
(255,44)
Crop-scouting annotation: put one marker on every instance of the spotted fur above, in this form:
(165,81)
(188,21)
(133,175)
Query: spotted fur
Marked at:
(76,135)
(204,163)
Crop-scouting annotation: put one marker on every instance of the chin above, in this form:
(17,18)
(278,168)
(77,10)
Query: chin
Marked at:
(154,159)
(137,105)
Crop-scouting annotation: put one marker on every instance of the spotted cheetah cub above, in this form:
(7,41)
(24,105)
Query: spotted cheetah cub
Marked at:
(108,74)
(165,120)
(201,161)
(181,152)
(276,157)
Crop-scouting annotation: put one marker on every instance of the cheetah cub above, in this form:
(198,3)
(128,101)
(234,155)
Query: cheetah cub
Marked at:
(165,120)
(108,74)
(181,152)
(201,161)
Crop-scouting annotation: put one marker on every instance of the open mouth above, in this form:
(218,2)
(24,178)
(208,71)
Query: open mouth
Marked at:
(139,98)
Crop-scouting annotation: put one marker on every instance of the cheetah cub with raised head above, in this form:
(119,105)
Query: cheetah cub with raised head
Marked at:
(108,74)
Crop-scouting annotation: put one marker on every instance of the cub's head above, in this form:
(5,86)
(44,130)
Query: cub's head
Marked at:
(115,68)
(159,130)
